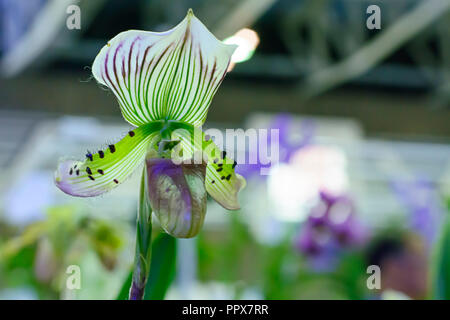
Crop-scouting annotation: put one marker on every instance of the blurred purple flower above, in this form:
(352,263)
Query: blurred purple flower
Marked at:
(284,123)
(287,129)
(420,197)
(331,227)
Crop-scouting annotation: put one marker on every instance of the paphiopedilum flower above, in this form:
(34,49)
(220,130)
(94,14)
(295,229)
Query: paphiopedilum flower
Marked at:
(164,83)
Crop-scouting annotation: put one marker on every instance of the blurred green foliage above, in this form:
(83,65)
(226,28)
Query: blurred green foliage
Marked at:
(38,256)
(277,270)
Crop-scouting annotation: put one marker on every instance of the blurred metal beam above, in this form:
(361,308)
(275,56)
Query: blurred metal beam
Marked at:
(243,15)
(378,111)
(371,54)
(40,35)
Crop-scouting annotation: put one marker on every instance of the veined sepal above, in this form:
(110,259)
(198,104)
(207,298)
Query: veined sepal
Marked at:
(164,75)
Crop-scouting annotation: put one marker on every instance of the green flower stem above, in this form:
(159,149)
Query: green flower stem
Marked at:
(142,258)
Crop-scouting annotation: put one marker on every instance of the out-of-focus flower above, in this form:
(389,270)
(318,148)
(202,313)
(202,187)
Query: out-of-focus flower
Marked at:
(332,226)
(287,147)
(45,263)
(421,199)
(164,83)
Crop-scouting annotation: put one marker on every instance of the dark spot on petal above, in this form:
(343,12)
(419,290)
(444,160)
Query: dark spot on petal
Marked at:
(212,181)
(71,171)
(228,177)
(115,180)
(77,172)
(112,148)
(91,177)
(220,164)
(222,177)
(220,169)
(89,156)
(234,164)
(75,166)
(88,170)
(101,153)
(216,160)
(100,171)
(224,154)
(131,133)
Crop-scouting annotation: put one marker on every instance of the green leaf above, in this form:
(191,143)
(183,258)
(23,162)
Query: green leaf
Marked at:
(162,270)
(124,291)
(441,266)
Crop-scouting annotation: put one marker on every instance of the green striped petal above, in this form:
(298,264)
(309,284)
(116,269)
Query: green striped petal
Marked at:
(104,170)
(170,75)
(221,182)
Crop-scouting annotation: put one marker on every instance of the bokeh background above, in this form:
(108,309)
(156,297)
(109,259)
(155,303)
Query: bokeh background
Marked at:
(364,176)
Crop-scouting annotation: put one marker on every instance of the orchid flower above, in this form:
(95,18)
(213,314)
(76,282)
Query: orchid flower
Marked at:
(164,82)
(331,227)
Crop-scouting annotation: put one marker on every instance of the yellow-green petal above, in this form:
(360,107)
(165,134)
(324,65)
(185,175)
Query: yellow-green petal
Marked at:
(222,182)
(103,170)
